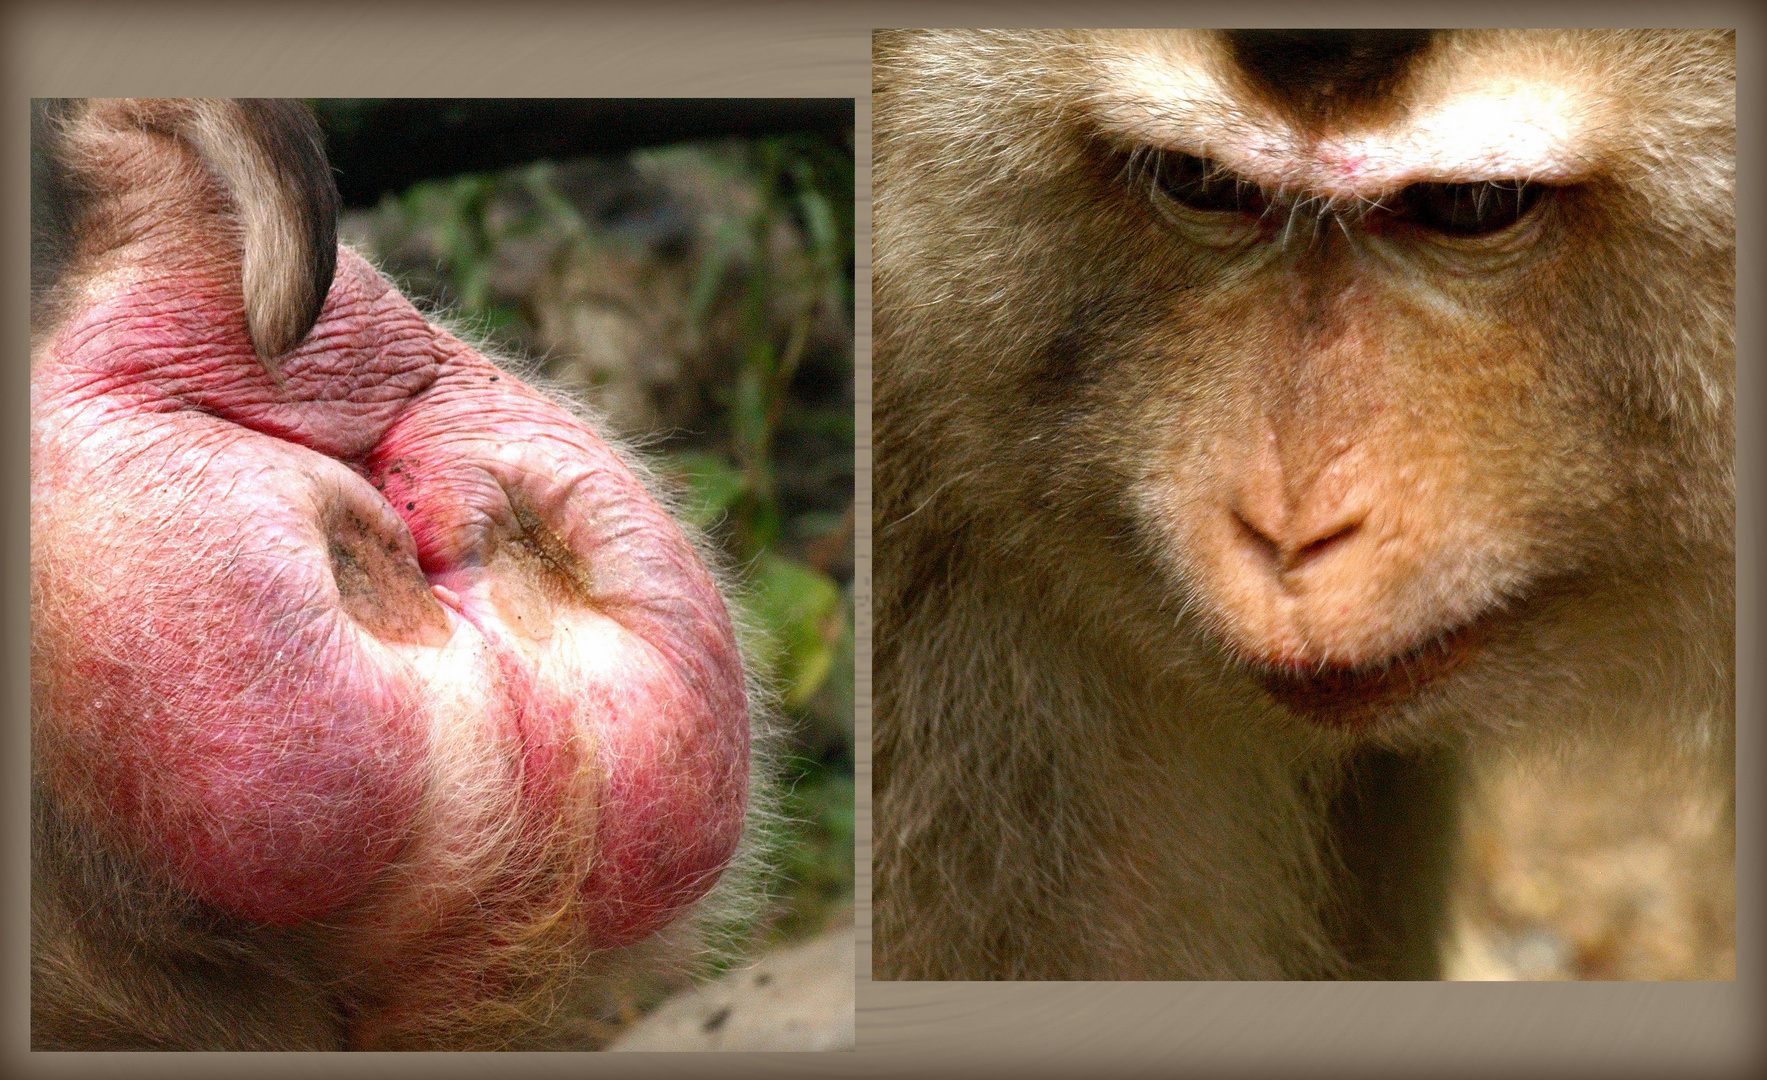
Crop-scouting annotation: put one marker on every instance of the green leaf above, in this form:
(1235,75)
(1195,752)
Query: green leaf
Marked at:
(819,219)
(712,486)
(800,608)
(749,412)
(729,241)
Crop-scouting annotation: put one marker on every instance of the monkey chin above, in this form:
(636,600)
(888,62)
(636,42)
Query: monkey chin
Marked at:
(1352,697)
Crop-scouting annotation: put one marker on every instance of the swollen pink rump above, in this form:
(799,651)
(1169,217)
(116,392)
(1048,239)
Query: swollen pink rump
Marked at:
(391,630)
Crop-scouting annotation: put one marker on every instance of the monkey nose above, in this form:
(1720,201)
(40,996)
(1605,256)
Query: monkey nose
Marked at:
(1288,515)
(1283,526)
(1285,545)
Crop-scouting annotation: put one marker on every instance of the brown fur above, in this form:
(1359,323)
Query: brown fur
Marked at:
(1158,489)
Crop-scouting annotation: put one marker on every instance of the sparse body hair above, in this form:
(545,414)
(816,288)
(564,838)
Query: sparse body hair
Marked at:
(1266,422)
(377,702)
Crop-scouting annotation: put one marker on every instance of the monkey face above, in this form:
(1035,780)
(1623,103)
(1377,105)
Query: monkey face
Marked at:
(1381,394)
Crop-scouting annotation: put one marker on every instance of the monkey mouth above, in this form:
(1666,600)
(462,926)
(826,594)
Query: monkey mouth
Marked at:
(1351,696)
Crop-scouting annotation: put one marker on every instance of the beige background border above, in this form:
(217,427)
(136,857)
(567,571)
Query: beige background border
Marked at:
(822,49)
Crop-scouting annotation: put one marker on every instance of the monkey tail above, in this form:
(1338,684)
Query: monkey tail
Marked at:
(269,158)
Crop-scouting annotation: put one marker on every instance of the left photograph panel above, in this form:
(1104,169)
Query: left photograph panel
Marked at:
(442,574)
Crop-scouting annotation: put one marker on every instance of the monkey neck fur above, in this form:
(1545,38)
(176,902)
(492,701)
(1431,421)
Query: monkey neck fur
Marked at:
(1234,840)
(1083,699)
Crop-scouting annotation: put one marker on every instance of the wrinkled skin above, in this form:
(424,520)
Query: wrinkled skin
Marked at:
(373,646)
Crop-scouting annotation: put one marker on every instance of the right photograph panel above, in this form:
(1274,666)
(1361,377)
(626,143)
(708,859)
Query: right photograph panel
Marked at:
(1303,515)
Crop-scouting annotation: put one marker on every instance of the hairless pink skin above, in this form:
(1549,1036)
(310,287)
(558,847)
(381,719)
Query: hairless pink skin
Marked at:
(286,631)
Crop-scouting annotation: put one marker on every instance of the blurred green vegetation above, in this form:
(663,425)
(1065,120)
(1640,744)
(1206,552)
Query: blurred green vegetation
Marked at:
(702,296)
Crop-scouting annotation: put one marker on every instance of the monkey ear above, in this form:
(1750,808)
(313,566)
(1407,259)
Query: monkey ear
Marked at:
(271,156)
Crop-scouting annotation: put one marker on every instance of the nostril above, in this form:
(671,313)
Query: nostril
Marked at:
(1288,554)
(1258,541)
(1312,550)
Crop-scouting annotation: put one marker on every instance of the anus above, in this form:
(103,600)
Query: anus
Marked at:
(376,701)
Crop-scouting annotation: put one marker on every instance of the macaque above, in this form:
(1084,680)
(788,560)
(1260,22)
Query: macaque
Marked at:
(1266,422)
(376,703)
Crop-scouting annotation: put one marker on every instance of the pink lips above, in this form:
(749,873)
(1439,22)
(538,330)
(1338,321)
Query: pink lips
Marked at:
(1350,696)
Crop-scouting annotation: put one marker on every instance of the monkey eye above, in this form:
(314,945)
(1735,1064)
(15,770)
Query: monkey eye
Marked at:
(1201,184)
(1467,209)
